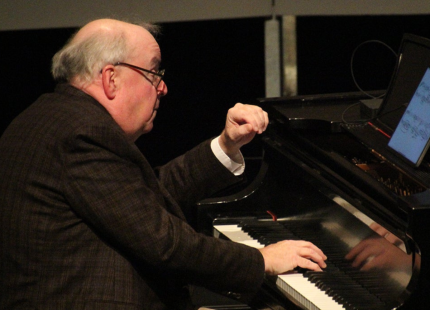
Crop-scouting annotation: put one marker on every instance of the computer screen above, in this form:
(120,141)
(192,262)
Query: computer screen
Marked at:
(413,61)
(411,137)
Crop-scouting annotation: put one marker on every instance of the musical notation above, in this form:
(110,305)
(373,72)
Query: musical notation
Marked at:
(416,119)
(423,92)
(418,127)
(413,131)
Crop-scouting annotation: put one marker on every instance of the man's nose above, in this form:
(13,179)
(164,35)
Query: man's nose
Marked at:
(162,89)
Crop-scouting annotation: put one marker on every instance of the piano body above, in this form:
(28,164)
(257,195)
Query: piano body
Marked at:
(328,176)
(367,211)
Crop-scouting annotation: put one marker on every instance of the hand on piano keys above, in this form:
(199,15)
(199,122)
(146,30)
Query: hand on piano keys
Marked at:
(294,284)
(286,255)
(339,286)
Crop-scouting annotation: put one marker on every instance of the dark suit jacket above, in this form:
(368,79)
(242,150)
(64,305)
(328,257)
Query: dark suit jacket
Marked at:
(86,223)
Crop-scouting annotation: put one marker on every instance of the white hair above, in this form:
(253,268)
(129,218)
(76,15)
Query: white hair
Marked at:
(83,59)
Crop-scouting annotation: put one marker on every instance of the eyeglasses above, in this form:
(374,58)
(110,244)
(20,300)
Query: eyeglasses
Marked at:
(158,76)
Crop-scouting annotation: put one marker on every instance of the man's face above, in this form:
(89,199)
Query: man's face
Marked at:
(141,98)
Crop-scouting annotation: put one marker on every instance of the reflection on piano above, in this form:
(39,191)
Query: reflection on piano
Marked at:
(368,212)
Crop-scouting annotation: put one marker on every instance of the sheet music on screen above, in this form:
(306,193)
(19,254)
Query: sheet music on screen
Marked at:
(412,135)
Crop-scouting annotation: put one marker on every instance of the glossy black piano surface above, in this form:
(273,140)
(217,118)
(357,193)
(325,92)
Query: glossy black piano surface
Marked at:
(370,215)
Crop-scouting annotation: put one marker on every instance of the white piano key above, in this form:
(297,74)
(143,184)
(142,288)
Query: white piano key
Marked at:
(293,284)
(236,234)
(306,293)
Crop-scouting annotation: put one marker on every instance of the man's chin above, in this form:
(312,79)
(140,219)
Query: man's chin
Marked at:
(150,124)
(148,128)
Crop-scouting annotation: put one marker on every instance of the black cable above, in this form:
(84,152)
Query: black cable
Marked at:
(358,86)
(352,62)
(352,122)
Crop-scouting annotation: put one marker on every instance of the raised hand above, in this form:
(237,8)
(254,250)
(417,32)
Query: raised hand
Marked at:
(242,124)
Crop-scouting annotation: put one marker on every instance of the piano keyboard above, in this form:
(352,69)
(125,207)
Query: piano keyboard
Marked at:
(295,284)
(339,286)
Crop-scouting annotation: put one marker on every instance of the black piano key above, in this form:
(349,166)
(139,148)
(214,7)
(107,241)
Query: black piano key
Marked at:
(347,285)
(342,288)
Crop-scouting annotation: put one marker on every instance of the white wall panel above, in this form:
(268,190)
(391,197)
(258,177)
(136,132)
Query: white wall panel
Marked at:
(31,14)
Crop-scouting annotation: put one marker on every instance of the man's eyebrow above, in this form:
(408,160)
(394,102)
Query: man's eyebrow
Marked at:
(155,62)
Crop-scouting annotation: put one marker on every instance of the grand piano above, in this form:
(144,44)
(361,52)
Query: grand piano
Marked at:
(327,175)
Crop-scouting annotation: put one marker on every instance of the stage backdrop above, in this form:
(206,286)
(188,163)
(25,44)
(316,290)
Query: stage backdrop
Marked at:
(212,64)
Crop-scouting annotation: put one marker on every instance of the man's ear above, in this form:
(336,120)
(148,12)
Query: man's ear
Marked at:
(109,81)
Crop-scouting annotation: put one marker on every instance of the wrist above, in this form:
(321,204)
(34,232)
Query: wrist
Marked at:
(230,148)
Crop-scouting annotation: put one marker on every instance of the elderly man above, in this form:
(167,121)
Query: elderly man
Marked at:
(86,223)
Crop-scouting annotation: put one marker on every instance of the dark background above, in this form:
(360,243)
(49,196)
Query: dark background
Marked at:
(211,65)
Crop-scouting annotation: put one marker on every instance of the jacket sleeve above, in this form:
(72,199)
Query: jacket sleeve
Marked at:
(113,189)
(196,175)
